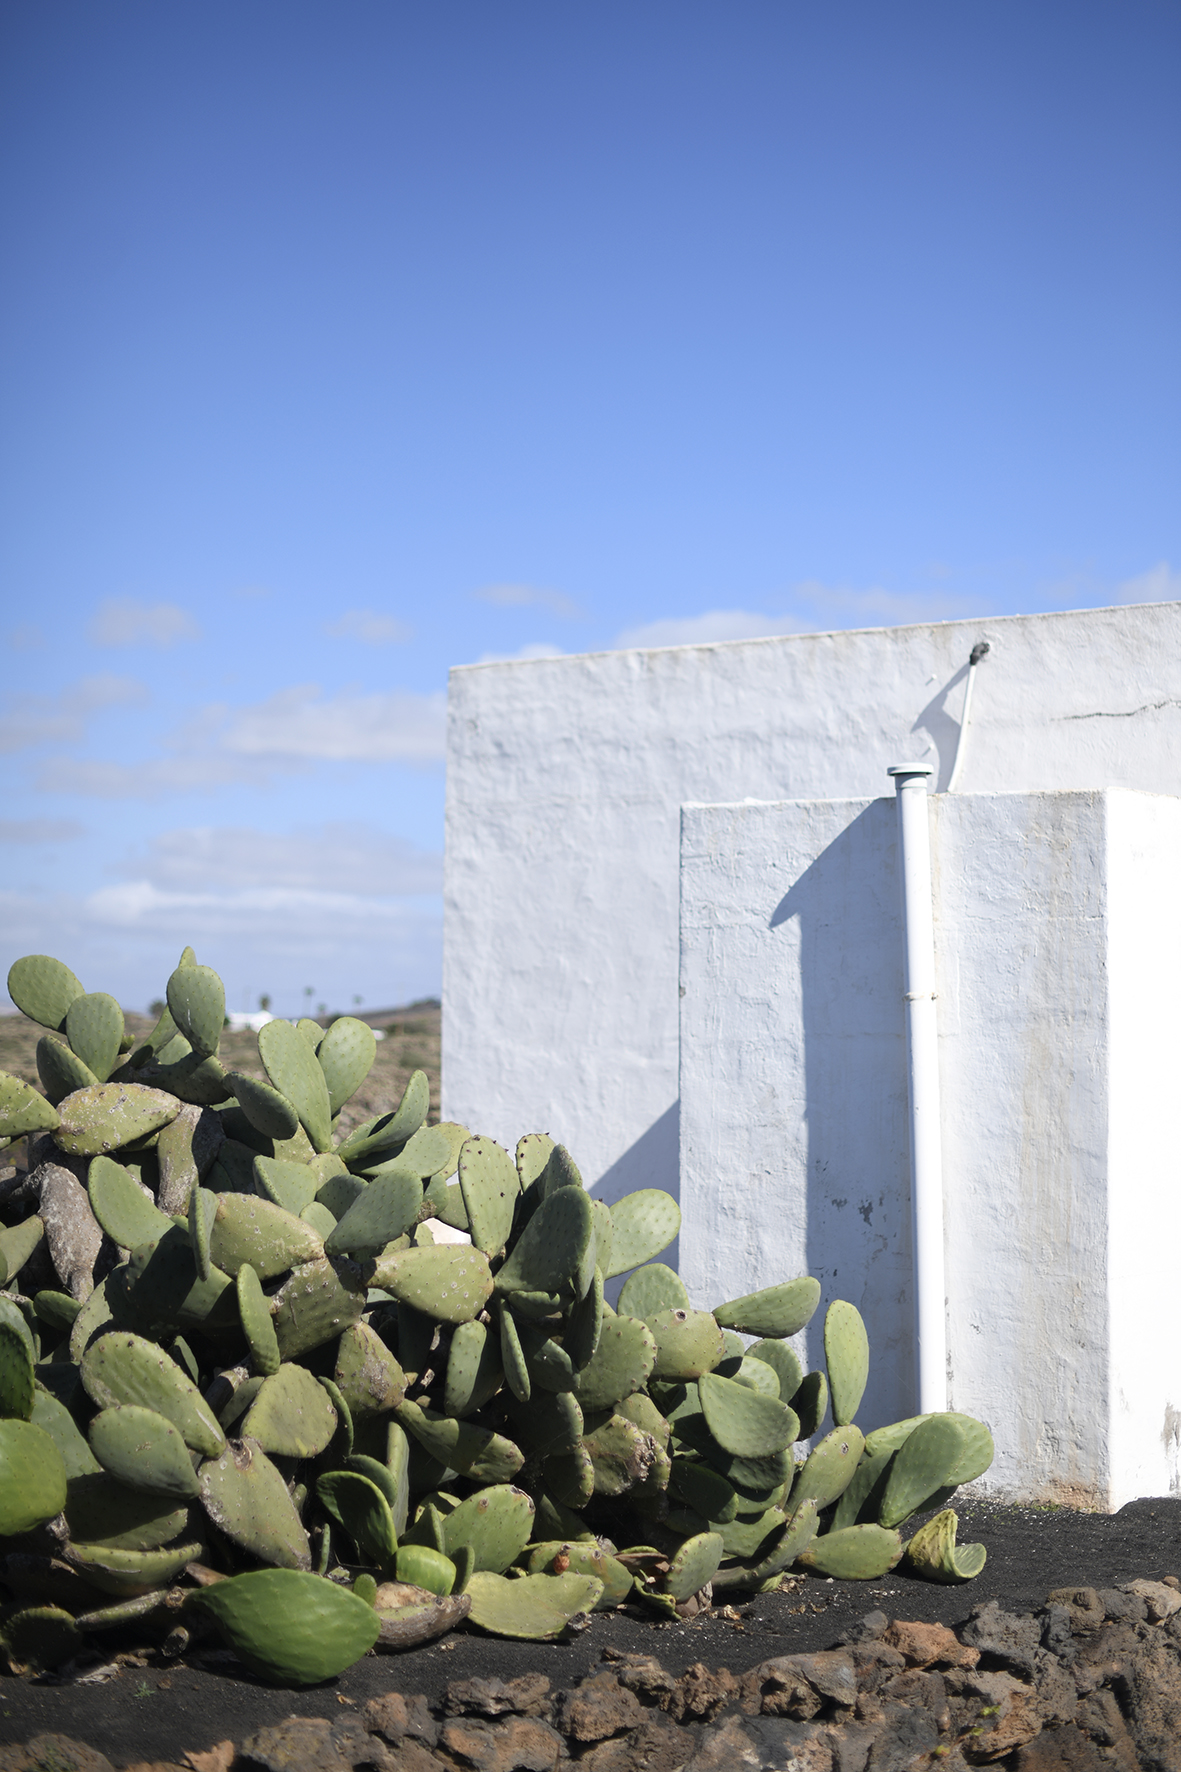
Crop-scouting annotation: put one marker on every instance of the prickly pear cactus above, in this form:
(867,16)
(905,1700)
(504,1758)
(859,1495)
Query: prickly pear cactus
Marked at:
(279,1373)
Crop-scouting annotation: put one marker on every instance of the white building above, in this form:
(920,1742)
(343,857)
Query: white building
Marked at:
(672,939)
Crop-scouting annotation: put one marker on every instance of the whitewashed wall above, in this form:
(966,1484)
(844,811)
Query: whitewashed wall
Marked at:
(1059,967)
(565,781)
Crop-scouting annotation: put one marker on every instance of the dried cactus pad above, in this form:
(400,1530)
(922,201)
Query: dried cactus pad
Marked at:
(934,1554)
(289,1627)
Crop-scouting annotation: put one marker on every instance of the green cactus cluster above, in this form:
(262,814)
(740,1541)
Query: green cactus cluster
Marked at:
(287,1413)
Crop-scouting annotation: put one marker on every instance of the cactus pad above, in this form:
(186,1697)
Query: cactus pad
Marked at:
(294,1632)
(141,1447)
(535,1608)
(491,1188)
(23,1110)
(124,1368)
(94,1028)
(246,1498)
(923,1464)
(495,1523)
(360,1506)
(60,1070)
(32,1477)
(43,989)
(385,1211)
(291,1415)
(389,1132)
(109,1115)
(688,1343)
(121,1207)
(859,1553)
(651,1289)
(295,1072)
(346,1055)
(197,1004)
(554,1247)
(642,1224)
(775,1311)
(267,1110)
(249,1229)
(449,1281)
(743,1421)
(846,1353)
(622,1362)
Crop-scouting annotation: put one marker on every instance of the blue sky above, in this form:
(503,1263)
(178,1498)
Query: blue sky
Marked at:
(343,344)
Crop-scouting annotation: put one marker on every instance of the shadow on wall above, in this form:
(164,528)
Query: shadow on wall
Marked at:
(942,727)
(846,908)
(652,1161)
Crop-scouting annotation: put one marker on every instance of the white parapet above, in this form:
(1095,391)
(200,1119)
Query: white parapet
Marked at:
(1059,972)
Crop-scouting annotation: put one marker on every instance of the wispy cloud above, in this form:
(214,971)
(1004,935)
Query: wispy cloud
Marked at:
(270,911)
(155,778)
(292,730)
(315,858)
(402,726)
(1160,584)
(61,719)
(530,596)
(122,621)
(369,626)
(40,830)
(810,605)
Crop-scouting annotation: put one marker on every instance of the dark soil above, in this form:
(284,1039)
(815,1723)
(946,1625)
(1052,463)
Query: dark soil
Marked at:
(157,1711)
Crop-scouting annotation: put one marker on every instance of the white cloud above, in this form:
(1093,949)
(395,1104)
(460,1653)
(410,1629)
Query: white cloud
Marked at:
(318,858)
(270,911)
(527,596)
(156,777)
(121,621)
(812,606)
(57,719)
(369,626)
(402,726)
(40,830)
(1160,584)
(535,649)
(293,729)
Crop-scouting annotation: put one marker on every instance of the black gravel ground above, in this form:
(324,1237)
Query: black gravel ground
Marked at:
(157,1711)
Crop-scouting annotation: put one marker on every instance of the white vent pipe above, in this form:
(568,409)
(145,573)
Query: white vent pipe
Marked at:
(922,1041)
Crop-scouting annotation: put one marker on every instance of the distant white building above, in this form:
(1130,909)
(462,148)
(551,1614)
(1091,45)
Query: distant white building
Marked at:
(672,939)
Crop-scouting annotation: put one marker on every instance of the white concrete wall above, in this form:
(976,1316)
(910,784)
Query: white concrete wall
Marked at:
(1059,966)
(1144,1164)
(565,780)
